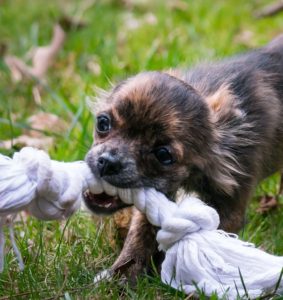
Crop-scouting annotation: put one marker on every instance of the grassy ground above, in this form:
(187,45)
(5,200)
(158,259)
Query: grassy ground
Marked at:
(121,38)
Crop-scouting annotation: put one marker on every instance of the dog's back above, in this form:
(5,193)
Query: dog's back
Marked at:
(208,77)
(245,96)
(248,91)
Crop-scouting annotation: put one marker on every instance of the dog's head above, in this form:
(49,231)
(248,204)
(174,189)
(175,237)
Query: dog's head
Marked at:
(150,131)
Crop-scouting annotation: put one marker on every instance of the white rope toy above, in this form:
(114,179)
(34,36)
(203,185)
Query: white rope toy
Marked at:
(48,189)
(197,254)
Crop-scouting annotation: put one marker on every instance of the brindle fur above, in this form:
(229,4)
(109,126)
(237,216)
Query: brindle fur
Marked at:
(223,123)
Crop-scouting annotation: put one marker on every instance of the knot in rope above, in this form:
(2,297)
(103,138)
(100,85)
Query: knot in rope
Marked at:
(46,188)
(176,220)
(198,256)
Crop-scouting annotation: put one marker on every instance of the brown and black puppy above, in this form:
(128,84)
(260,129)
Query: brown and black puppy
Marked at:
(216,130)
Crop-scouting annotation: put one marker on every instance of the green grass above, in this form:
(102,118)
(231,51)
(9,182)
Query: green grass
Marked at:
(62,258)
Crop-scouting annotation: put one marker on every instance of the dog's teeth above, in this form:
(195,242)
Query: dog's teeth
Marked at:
(108,205)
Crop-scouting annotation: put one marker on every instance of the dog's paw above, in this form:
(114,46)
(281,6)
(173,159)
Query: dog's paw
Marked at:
(105,275)
(130,270)
(122,271)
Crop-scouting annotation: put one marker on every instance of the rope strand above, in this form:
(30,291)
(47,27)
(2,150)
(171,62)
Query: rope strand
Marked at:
(2,245)
(14,245)
(196,251)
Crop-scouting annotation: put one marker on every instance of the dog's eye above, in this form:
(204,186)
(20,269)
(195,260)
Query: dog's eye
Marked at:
(163,155)
(103,124)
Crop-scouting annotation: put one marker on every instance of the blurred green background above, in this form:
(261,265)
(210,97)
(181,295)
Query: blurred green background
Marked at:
(118,39)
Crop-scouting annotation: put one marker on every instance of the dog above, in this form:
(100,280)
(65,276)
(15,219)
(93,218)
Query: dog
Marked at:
(215,129)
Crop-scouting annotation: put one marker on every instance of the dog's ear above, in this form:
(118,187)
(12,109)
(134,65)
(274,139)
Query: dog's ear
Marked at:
(224,169)
(97,103)
(174,73)
(222,104)
(223,166)
(276,45)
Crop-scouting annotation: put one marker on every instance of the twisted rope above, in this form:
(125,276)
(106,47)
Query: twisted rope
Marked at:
(197,254)
(49,190)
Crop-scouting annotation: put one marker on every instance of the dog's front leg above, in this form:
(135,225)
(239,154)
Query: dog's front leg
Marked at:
(139,248)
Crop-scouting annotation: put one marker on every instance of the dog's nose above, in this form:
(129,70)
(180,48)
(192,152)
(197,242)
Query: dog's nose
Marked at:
(108,165)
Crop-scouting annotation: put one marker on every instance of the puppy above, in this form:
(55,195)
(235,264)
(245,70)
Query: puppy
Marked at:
(216,129)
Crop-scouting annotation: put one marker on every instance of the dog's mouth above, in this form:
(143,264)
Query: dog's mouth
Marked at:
(103,203)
